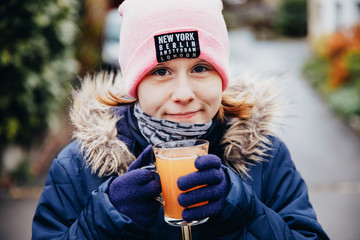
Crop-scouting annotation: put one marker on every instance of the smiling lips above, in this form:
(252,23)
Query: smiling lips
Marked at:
(185,115)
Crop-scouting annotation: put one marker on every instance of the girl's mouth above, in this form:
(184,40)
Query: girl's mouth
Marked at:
(185,115)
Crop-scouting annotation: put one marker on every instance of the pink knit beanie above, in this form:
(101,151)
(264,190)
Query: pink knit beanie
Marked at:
(154,31)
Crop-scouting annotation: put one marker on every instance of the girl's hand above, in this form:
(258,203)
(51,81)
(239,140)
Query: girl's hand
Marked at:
(214,192)
(134,193)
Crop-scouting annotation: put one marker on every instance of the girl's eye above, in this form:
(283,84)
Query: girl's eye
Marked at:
(200,69)
(161,72)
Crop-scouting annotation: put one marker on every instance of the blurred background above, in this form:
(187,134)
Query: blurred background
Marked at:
(313,46)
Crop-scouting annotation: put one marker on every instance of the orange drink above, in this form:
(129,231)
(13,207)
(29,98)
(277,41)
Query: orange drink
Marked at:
(170,170)
(173,160)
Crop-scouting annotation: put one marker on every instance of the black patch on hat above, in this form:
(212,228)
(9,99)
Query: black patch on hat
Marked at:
(177,45)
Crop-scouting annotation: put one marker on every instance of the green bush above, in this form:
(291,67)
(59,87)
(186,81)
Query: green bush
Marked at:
(37,49)
(22,173)
(316,69)
(291,19)
(334,70)
(353,63)
(346,101)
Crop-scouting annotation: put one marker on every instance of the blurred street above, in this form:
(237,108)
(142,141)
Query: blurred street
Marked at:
(326,152)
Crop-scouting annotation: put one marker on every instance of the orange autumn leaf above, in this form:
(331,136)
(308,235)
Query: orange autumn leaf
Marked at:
(339,73)
(336,45)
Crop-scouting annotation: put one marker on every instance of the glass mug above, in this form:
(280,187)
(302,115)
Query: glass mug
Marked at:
(173,160)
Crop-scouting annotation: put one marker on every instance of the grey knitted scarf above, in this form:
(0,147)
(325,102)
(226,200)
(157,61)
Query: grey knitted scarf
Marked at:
(156,130)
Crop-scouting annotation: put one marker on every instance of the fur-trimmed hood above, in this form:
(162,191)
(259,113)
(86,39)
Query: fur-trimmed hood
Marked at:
(246,140)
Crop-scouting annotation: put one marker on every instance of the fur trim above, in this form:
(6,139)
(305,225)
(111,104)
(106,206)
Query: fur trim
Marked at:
(95,126)
(246,140)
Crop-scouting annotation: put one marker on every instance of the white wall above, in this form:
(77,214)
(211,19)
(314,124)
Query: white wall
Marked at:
(327,16)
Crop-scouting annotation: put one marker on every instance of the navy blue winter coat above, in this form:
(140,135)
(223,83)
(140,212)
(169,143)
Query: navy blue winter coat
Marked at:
(75,202)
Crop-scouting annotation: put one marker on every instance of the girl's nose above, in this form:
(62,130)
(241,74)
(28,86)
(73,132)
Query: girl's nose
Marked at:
(183,91)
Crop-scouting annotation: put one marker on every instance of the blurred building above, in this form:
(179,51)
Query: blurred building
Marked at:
(272,3)
(327,16)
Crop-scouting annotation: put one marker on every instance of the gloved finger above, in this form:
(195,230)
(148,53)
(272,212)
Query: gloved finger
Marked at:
(151,189)
(128,188)
(139,176)
(210,176)
(203,194)
(208,210)
(207,162)
(145,158)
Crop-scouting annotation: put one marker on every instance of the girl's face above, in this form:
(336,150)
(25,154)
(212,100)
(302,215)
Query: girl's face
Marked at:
(181,90)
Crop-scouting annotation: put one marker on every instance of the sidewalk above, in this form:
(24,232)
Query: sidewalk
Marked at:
(16,217)
(17,208)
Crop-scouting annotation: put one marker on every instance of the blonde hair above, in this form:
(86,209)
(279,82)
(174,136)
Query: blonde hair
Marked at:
(230,106)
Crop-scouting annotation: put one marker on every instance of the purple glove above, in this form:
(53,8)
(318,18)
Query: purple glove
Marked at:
(134,193)
(211,174)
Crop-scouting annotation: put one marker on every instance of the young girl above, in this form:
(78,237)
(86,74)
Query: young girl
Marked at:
(174,61)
